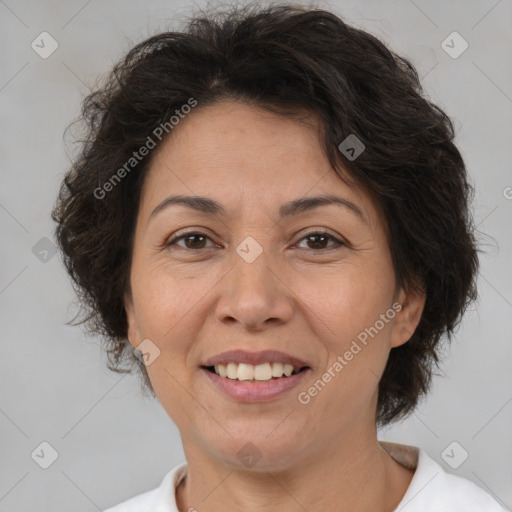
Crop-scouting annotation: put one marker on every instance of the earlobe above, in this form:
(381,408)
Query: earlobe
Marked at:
(409,316)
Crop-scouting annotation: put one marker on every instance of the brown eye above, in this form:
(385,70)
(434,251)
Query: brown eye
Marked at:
(193,241)
(318,240)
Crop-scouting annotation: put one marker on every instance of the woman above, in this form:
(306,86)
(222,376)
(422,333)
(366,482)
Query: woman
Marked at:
(272,223)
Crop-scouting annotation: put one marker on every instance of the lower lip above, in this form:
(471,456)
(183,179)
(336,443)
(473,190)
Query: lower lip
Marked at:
(255,391)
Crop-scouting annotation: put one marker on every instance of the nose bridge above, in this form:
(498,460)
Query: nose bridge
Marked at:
(254,292)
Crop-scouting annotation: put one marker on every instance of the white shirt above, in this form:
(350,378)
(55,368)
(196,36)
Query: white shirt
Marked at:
(432,489)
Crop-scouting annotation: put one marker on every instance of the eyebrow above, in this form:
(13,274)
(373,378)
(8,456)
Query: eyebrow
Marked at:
(211,207)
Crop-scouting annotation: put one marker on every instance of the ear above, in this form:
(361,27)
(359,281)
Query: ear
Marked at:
(131,319)
(408,317)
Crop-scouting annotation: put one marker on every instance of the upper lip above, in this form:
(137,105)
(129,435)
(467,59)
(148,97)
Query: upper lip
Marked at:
(254,358)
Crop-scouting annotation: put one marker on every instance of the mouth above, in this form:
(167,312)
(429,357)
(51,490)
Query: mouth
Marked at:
(251,390)
(247,376)
(244,373)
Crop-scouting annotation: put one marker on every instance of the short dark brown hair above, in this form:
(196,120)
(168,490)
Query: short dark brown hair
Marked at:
(285,59)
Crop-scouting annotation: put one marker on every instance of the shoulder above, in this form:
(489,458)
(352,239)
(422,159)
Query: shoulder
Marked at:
(161,499)
(433,489)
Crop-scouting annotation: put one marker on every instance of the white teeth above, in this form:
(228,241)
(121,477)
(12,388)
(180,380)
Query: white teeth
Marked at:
(262,372)
(232,371)
(221,370)
(277,369)
(245,371)
(287,369)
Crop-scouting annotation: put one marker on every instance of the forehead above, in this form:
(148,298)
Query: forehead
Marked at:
(244,156)
(233,136)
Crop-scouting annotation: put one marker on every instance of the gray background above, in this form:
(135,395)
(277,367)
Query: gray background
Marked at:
(111,442)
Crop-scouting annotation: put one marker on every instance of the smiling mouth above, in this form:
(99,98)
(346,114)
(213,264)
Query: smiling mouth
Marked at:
(260,386)
(249,374)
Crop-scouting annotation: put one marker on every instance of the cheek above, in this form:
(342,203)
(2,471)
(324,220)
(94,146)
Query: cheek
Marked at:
(346,301)
(364,327)
(169,314)
(166,302)
(347,315)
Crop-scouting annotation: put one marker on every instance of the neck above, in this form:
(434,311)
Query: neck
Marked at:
(354,474)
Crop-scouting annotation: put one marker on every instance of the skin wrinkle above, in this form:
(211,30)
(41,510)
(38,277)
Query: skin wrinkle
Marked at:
(325,453)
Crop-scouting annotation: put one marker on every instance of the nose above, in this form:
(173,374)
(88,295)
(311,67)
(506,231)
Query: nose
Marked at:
(256,295)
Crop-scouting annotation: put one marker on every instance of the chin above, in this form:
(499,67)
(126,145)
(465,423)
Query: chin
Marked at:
(260,452)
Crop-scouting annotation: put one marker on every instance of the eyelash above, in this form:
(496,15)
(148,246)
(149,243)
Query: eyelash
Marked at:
(197,233)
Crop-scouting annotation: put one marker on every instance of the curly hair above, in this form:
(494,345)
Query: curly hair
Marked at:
(286,59)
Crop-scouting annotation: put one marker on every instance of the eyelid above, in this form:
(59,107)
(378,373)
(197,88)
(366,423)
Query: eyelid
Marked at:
(323,232)
(178,237)
(339,242)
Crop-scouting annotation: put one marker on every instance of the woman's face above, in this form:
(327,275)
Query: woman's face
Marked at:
(253,280)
